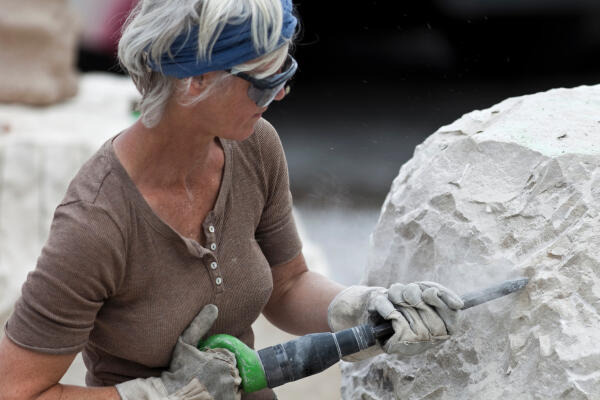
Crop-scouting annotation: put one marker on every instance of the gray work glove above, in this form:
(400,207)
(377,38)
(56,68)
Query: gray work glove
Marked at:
(423,314)
(193,374)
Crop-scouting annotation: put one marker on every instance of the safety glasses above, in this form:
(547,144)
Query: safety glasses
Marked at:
(263,91)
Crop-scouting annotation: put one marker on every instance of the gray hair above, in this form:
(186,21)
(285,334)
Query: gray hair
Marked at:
(153,26)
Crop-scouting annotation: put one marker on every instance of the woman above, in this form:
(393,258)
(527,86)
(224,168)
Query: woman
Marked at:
(187,212)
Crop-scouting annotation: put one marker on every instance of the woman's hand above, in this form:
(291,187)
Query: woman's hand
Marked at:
(193,374)
(423,314)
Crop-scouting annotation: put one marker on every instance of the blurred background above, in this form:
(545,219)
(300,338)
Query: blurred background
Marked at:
(377,77)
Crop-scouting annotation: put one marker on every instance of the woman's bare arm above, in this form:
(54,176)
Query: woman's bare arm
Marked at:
(28,375)
(300,298)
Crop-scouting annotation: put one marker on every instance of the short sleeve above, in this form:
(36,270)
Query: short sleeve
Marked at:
(276,233)
(80,267)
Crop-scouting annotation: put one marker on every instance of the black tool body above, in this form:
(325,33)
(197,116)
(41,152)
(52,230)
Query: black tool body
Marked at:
(311,354)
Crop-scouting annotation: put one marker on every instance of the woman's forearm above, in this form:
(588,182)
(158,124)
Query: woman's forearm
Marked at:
(306,303)
(300,298)
(30,375)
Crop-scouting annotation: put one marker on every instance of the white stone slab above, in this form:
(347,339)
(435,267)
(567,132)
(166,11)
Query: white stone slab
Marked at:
(41,149)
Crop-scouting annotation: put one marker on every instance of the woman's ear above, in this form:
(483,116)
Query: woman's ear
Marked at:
(202,82)
(198,84)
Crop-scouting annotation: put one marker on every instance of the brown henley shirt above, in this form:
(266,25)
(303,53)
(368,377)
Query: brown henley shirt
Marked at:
(118,283)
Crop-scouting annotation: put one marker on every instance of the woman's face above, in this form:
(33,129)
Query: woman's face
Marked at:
(228,112)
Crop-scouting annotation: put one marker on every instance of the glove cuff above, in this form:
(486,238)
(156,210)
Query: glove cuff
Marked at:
(146,389)
(154,389)
(192,391)
(350,307)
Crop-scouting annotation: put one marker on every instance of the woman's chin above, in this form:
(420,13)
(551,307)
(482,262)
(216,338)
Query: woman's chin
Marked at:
(241,134)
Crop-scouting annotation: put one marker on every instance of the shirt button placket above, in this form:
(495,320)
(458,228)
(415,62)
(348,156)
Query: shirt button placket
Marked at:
(215,273)
(212,237)
(214,266)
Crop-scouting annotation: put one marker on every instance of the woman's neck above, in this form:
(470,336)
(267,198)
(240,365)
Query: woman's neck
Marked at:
(170,155)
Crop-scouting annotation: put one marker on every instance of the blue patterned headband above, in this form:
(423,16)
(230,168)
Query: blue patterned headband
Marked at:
(234,46)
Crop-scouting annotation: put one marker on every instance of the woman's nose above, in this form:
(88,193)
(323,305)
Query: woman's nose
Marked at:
(281,94)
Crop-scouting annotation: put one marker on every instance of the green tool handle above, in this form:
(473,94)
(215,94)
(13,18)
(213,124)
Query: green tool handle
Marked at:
(248,363)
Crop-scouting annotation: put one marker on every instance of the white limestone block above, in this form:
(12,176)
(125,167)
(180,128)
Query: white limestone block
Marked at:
(41,149)
(510,191)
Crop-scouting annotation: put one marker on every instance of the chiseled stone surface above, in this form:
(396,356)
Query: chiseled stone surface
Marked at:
(38,47)
(510,191)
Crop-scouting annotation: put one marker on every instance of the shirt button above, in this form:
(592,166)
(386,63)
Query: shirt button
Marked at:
(213,246)
(211,229)
(213,265)
(219,280)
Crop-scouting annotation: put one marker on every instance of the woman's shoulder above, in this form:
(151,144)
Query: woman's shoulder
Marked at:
(266,134)
(88,181)
(261,155)
(96,187)
(264,143)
